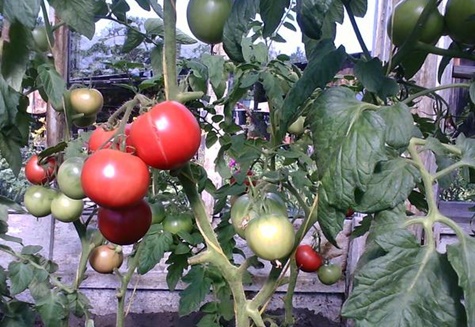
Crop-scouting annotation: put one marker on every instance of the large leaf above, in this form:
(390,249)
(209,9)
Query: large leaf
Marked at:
(155,246)
(10,150)
(3,282)
(53,84)
(237,26)
(348,136)
(272,12)
(412,285)
(358,7)
(15,55)
(324,62)
(462,257)
(144,4)
(467,146)
(133,40)
(21,274)
(54,309)
(311,16)
(18,314)
(390,185)
(215,65)
(372,76)
(79,14)
(9,100)
(198,287)
(330,218)
(154,26)
(23,11)
(177,263)
(399,124)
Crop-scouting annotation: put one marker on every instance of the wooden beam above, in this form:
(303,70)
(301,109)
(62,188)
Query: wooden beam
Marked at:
(463,72)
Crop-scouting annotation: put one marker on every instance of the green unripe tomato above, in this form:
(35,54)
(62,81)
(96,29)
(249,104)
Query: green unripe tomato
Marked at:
(38,200)
(158,212)
(404,20)
(40,37)
(182,222)
(69,178)
(297,127)
(206,19)
(459,20)
(66,209)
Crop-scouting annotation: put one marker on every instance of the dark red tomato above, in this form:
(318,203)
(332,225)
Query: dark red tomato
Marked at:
(113,179)
(101,139)
(206,19)
(40,173)
(167,136)
(126,225)
(307,258)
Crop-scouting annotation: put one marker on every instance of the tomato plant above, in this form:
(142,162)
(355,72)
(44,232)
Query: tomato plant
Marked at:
(125,225)
(297,127)
(40,37)
(65,209)
(69,178)
(404,20)
(209,30)
(107,178)
(181,222)
(105,258)
(85,121)
(270,236)
(167,136)
(459,21)
(40,173)
(329,273)
(86,101)
(307,258)
(38,200)
(158,212)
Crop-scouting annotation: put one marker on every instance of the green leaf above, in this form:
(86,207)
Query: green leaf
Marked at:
(23,11)
(132,40)
(156,59)
(54,309)
(371,75)
(215,65)
(155,246)
(78,304)
(3,282)
(399,125)
(21,274)
(358,7)
(9,100)
(412,285)
(462,258)
(472,92)
(177,263)
(19,314)
(324,62)
(331,219)
(348,136)
(467,146)
(120,9)
(144,4)
(209,320)
(79,14)
(53,84)
(10,150)
(11,204)
(412,62)
(15,55)
(311,15)
(237,26)
(391,184)
(156,7)
(194,294)
(154,26)
(272,13)
(31,249)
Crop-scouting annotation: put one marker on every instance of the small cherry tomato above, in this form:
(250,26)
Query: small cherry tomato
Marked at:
(307,258)
(105,258)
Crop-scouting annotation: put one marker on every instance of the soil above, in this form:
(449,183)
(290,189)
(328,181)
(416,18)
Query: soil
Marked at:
(303,318)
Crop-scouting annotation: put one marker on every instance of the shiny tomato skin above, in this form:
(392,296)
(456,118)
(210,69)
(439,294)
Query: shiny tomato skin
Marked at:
(101,139)
(113,179)
(270,236)
(206,19)
(40,38)
(39,174)
(404,18)
(65,209)
(167,136)
(307,258)
(329,273)
(86,101)
(104,259)
(37,200)
(124,226)
(176,223)
(459,20)
(69,178)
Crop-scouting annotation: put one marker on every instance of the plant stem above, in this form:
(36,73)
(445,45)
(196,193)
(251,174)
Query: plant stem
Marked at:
(356,29)
(169,49)
(86,250)
(288,305)
(438,88)
(443,52)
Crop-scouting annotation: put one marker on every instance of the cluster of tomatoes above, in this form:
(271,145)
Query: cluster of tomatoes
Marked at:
(457,22)
(310,260)
(115,175)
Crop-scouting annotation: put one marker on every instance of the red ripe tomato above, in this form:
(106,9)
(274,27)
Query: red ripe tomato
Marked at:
(39,174)
(102,138)
(307,258)
(167,136)
(112,178)
(125,226)
(349,213)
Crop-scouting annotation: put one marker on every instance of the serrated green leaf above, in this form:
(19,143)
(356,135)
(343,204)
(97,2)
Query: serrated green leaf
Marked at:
(31,249)
(120,8)
(132,40)
(10,150)
(391,184)
(79,14)
(21,274)
(19,314)
(156,60)
(215,68)
(155,246)
(371,75)
(53,84)
(324,62)
(311,16)
(399,125)
(358,7)
(3,282)
(272,13)
(39,289)
(467,146)
(23,11)
(412,285)
(15,55)
(79,304)
(462,258)
(330,218)
(144,4)
(177,263)
(194,294)
(209,320)
(9,100)
(237,26)
(154,26)
(54,309)
(348,136)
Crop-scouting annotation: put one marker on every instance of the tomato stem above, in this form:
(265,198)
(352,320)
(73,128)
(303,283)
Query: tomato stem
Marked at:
(169,51)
